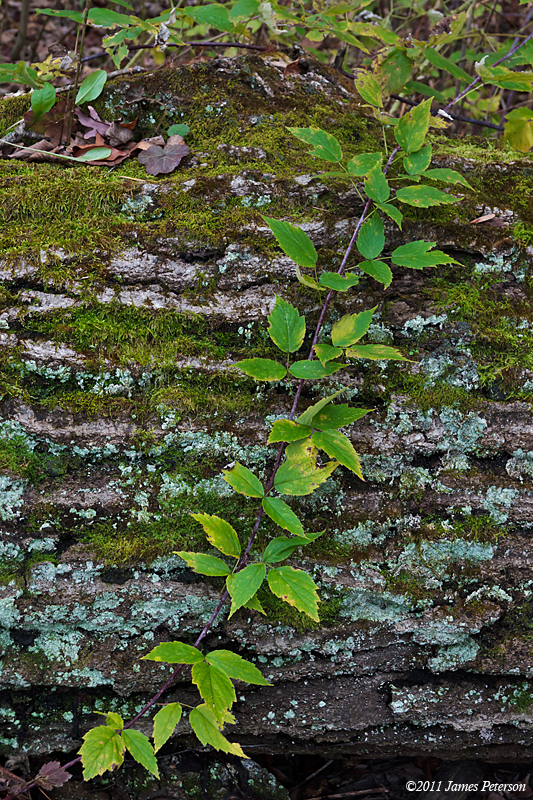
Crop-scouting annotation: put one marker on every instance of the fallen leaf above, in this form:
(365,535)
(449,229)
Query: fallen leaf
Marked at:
(51,775)
(35,153)
(484,218)
(93,122)
(118,134)
(55,115)
(162,160)
(116,156)
(129,125)
(292,68)
(175,139)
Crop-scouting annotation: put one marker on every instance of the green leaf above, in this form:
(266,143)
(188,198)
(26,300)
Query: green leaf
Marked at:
(519,129)
(368,88)
(376,186)
(174,653)
(299,474)
(20,73)
(339,283)
(114,720)
(378,270)
(262,369)
(296,588)
(254,604)
(338,446)
(165,722)
(243,9)
(447,176)
(236,667)
(206,728)
(181,129)
(102,749)
(313,370)
(243,481)
(105,18)
(96,154)
(325,145)
(286,430)
(325,352)
(139,747)
(419,161)
(416,255)
(92,86)
(428,91)
(506,78)
(424,196)
(220,533)
(294,242)
(281,548)
(306,280)
(394,71)
(413,127)
(215,687)
(244,584)
(213,14)
(42,101)
(75,16)
(332,417)
(283,515)
(287,327)
(204,564)
(441,62)
(309,414)
(375,31)
(375,352)
(364,163)
(392,212)
(351,328)
(371,239)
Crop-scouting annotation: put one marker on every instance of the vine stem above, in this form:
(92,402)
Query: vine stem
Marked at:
(277,464)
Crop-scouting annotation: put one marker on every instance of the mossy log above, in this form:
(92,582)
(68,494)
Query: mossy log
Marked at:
(127,300)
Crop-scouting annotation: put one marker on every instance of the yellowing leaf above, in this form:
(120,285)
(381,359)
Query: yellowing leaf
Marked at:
(338,446)
(350,328)
(296,588)
(220,534)
(215,687)
(138,746)
(102,749)
(165,722)
(244,584)
(207,729)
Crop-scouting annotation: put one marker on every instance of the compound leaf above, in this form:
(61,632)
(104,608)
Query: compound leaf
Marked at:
(204,564)
(424,196)
(417,255)
(283,515)
(325,145)
(294,242)
(138,745)
(102,749)
(311,370)
(378,270)
(375,352)
(364,163)
(286,430)
(244,584)
(338,446)
(339,283)
(262,369)
(371,239)
(296,588)
(220,533)
(287,327)
(350,328)
(333,417)
(174,653)
(413,127)
(243,481)
(165,722)
(206,728)
(215,687)
(299,474)
(236,667)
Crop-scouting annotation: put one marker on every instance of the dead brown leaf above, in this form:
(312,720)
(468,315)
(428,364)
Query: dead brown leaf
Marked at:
(292,68)
(118,134)
(484,218)
(34,153)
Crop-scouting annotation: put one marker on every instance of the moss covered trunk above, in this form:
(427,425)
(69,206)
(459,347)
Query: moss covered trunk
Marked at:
(126,300)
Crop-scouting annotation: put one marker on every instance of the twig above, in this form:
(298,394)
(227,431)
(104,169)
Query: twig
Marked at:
(313,775)
(23,27)
(78,71)
(242,45)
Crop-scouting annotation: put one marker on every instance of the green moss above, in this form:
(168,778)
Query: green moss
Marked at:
(12,110)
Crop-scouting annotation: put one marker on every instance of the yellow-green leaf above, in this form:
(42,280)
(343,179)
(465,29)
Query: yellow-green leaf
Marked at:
(207,729)
(338,446)
(350,328)
(244,584)
(220,533)
(214,686)
(243,481)
(413,127)
(236,667)
(296,588)
(204,564)
(165,722)
(283,515)
(174,653)
(138,745)
(286,430)
(102,749)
